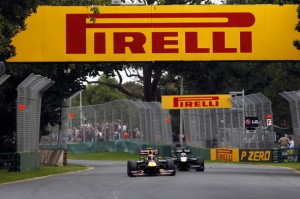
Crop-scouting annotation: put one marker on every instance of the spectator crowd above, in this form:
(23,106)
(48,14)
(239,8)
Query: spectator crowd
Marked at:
(101,131)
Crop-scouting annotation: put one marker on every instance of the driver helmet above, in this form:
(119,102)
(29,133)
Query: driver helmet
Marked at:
(183,155)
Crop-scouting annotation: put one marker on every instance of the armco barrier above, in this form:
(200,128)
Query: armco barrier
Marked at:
(286,155)
(25,161)
(205,153)
(6,160)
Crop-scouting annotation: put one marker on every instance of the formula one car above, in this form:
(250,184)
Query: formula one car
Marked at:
(150,165)
(184,161)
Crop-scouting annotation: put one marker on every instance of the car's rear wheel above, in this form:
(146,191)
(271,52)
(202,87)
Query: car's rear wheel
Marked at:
(171,166)
(200,162)
(131,166)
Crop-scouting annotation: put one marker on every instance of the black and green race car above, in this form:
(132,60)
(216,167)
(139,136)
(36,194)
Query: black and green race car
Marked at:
(184,161)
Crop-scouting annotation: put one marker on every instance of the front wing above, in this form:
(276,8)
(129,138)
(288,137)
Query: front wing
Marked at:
(190,163)
(162,172)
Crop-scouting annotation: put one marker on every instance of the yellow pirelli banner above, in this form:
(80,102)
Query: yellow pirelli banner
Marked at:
(195,101)
(159,33)
(225,154)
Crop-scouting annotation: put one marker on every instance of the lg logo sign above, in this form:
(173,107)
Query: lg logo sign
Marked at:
(251,122)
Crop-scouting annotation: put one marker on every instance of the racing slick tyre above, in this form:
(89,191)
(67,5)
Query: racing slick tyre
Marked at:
(131,166)
(200,161)
(171,166)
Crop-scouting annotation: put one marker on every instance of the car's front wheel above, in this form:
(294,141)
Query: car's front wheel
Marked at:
(131,166)
(200,162)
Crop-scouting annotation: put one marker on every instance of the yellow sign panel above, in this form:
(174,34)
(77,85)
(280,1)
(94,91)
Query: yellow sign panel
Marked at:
(225,154)
(159,33)
(195,101)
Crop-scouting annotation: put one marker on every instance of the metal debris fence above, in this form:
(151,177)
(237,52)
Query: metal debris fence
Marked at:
(293,98)
(29,112)
(3,77)
(209,128)
(143,121)
(146,121)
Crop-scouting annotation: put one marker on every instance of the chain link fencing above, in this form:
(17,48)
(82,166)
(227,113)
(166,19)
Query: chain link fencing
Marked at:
(3,77)
(146,121)
(210,128)
(119,119)
(293,98)
(29,111)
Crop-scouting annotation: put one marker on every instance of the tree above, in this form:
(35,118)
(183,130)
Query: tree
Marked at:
(12,20)
(185,2)
(99,94)
(284,77)
(297,28)
(64,87)
(73,2)
(148,74)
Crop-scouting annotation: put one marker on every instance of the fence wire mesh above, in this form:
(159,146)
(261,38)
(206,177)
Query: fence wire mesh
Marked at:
(120,119)
(2,68)
(29,111)
(209,128)
(293,98)
(3,77)
(146,121)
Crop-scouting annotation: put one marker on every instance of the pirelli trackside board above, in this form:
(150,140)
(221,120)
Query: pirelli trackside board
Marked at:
(195,101)
(159,33)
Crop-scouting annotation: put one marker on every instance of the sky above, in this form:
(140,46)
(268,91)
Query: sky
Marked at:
(125,78)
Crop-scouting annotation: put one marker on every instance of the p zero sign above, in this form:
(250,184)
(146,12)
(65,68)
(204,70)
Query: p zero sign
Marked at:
(255,155)
(159,33)
(195,101)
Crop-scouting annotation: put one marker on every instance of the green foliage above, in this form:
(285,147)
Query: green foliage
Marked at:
(64,87)
(73,2)
(254,2)
(111,156)
(7,176)
(269,78)
(98,94)
(296,43)
(183,2)
(135,88)
(12,20)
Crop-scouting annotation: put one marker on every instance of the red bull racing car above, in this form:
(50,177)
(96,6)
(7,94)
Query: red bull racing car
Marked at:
(150,165)
(185,162)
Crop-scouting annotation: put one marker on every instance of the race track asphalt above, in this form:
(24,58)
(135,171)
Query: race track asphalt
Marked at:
(108,180)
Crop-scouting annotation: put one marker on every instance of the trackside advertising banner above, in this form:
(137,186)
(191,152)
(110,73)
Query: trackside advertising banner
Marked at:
(159,33)
(256,155)
(195,101)
(241,155)
(225,154)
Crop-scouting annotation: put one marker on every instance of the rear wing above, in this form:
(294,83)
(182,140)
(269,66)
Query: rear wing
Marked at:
(149,151)
(183,150)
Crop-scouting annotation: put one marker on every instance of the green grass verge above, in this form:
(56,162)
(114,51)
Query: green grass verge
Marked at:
(295,166)
(6,176)
(112,156)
